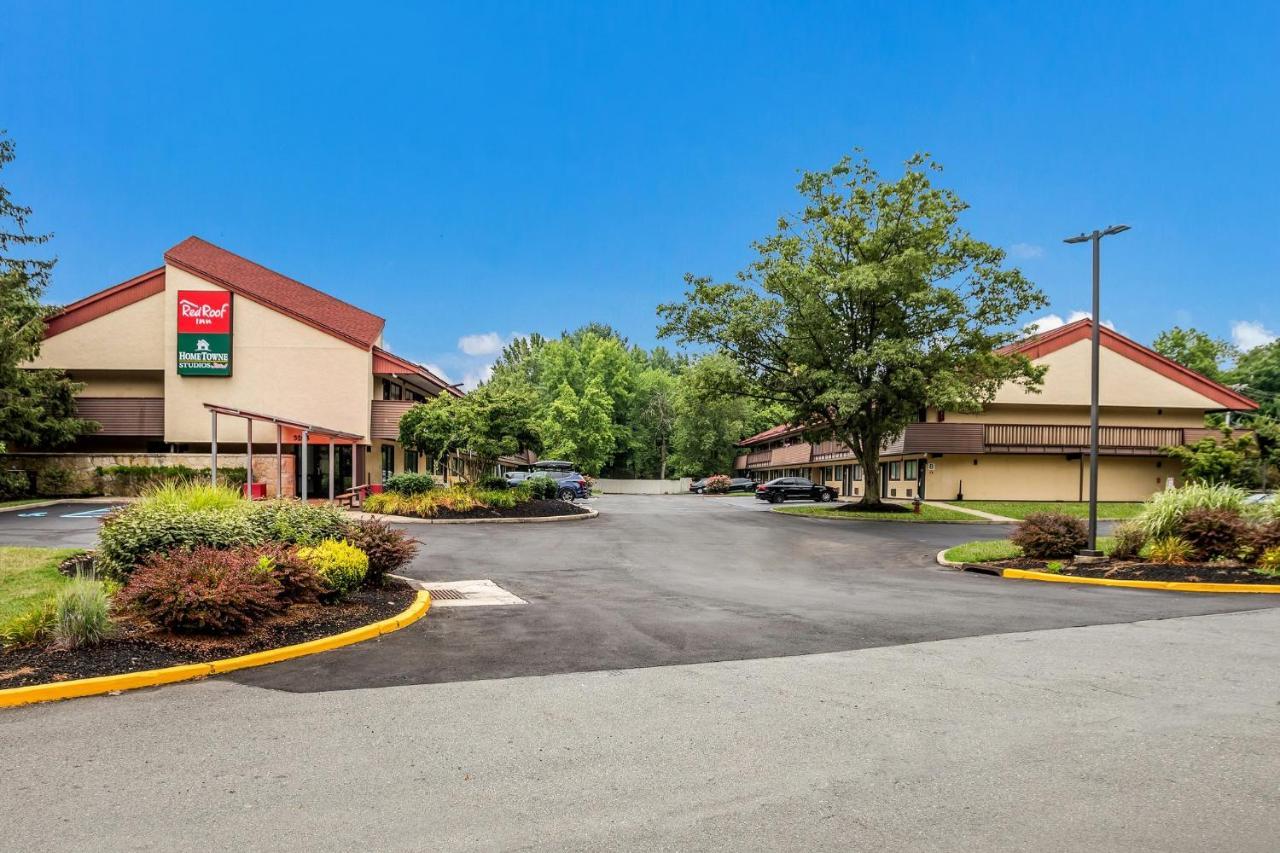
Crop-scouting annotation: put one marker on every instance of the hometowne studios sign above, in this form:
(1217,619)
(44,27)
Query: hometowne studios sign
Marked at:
(204,333)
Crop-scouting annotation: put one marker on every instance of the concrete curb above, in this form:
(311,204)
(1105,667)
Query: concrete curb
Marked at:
(943,561)
(16,696)
(1173,586)
(52,501)
(408,519)
(782,510)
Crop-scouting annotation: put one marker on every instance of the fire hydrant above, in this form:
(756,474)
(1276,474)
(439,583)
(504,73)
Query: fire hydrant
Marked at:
(915,506)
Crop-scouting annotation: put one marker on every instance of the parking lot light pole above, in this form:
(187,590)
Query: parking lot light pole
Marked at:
(1091,551)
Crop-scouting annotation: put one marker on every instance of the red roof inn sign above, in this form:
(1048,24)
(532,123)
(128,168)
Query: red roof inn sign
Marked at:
(204,333)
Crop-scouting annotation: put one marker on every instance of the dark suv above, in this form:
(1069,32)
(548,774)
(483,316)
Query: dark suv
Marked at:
(794,488)
(570,485)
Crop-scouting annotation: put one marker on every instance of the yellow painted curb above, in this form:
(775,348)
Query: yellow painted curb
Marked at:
(15,696)
(1175,586)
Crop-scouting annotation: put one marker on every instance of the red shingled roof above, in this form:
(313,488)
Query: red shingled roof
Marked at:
(768,435)
(293,298)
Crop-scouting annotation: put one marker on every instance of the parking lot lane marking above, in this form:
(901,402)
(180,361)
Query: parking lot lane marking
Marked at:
(91,513)
(32,514)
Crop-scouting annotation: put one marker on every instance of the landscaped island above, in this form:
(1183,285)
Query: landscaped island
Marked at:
(1195,534)
(192,574)
(416,496)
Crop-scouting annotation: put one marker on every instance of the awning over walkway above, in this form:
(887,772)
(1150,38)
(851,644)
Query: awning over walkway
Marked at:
(288,431)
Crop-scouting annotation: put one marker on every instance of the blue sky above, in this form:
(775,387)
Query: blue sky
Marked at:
(474,170)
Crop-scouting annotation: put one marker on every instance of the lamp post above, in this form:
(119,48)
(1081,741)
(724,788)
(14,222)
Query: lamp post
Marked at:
(1092,552)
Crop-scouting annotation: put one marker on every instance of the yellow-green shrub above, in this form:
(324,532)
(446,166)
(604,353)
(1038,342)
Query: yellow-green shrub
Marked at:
(341,565)
(1269,562)
(1171,549)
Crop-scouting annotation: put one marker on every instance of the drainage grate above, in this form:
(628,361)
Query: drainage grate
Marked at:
(447,594)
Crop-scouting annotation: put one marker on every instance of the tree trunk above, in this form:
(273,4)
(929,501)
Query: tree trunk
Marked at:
(869,456)
(662,455)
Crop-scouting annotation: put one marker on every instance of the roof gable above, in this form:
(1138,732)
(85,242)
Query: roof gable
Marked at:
(388,362)
(1040,346)
(278,292)
(103,302)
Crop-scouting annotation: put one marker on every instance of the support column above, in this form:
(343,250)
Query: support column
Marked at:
(248,463)
(331,465)
(279,464)
(302,476)
(213,448)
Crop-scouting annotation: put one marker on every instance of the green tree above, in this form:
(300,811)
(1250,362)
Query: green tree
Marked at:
(490,422)
(874,304)
(578,427)
(1257,374)
(1196,350)
(1230,459)
(579,361)
(37,407)
(709,425)
(652,421)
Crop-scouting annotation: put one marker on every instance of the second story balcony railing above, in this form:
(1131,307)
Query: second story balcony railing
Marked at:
(385,418)
(1054,438)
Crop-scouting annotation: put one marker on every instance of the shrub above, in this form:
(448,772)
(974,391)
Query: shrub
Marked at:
(341,566)
(410,484)
(717,484)
(204,590)
(297,522)
(1261,538)
(388,548)
(498,499)
(135,479)
(1050,534)
(1213,533)
(491,483)
(1163,512)
(1172,550)
(129,536)
(1129,540)
(193,497)
(541,487)
(1269,562)
(299,582)
(82,614)
(14,484)
(33,626)
(54,481)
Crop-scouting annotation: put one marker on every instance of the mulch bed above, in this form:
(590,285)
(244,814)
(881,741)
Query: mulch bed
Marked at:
(881,507)
(1225,572)
(139,646)
(536,508)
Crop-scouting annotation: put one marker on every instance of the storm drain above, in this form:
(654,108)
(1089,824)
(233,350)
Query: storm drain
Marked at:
(438,594)
(478,593)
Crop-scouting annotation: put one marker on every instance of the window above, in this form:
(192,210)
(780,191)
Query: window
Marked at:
(857,473)
(910,470)
(895,470)
(942,416)
(410,461)
(388,461)
(391,391)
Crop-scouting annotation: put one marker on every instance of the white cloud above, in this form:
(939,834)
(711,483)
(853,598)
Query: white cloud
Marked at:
(1248,335)
(1026,251)
(484,343)
(472,378)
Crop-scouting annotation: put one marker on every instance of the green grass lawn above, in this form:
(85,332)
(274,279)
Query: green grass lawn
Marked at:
(28,575)
(21,502)
(1000,549)
(1020,509)
(927,513)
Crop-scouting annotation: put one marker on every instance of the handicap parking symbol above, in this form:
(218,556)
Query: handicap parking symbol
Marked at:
(32,514)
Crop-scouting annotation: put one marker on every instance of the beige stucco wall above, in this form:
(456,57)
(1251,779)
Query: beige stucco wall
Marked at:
(279,366)
(1046,477)
(1122,382)
(131,338)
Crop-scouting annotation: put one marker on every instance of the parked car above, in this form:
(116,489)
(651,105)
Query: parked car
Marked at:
(570,484)
(794,488)
(515,478)
(698,485)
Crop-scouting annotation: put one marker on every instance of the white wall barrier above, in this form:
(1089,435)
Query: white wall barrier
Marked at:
(644,487)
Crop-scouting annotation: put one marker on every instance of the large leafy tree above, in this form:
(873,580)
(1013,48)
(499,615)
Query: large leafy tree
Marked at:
(37,407)
(708,424)
(490,422)
(1196,350)
(579,426)
(873,304)
(652,421)
(1257,374)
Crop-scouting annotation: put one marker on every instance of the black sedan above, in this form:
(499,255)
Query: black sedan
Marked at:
(794,488)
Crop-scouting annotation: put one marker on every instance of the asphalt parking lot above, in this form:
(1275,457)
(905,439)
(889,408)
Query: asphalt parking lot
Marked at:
(657,581)
(65,524)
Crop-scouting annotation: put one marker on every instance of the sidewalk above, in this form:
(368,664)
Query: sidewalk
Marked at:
(989,516)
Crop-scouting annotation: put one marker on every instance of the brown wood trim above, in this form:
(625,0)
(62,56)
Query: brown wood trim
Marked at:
(103,302)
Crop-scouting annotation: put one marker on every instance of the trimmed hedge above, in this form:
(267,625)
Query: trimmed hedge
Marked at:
(341,566)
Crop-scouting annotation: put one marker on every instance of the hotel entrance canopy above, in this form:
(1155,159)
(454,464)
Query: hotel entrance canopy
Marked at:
(288,431)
